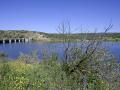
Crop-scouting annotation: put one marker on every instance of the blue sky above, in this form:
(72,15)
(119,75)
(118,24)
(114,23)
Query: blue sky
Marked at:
(46,15)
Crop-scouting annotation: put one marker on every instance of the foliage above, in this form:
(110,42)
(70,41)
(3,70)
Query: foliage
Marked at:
(115,39)
(3,57)
(51,75)
(79,36)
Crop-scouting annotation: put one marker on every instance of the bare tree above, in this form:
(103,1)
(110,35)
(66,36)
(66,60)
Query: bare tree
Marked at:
(84,57)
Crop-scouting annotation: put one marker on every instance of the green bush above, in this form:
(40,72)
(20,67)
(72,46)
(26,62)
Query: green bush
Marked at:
(48,75)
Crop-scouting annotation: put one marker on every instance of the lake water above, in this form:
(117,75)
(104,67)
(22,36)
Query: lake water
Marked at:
(14,50)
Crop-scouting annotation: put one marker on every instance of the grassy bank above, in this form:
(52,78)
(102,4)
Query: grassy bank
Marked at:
(44,76)
(115,39)
(27,73)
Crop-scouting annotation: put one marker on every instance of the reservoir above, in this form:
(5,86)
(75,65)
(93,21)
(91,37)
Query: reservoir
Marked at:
(14,50)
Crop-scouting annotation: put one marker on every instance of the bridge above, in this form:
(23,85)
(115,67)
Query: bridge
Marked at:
(14,40)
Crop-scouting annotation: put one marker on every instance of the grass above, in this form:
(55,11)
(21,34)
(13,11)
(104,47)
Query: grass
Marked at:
(47,75)
(115,39)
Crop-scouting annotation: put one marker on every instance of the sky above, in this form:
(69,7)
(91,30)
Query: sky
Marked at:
(46,15)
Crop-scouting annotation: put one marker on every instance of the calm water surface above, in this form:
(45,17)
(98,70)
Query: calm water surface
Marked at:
(14,50)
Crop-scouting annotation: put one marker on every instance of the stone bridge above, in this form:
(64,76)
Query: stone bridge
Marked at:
(14,40)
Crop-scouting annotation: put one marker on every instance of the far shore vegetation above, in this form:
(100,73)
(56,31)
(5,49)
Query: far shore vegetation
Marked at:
(41,36)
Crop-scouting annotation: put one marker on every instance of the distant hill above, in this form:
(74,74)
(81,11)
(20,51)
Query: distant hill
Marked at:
(88,36)
(41,36)
(4,34)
